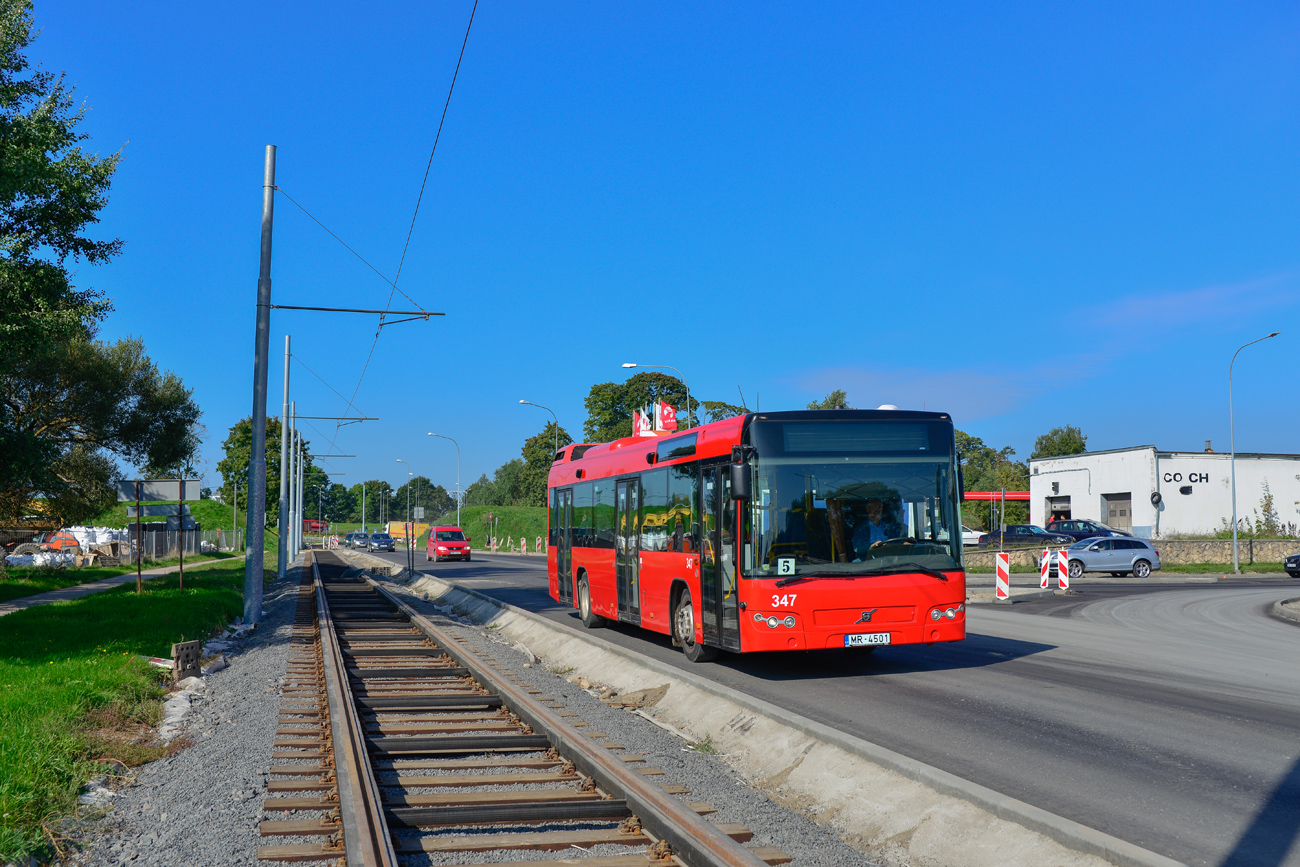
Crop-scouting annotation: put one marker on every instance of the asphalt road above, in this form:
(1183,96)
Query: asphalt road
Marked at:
(1166,715)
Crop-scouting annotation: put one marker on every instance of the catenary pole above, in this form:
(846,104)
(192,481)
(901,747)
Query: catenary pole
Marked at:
(282,546)
(257,457)
(292,528)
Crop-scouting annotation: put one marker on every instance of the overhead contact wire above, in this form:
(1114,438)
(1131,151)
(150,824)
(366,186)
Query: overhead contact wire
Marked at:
(418,200)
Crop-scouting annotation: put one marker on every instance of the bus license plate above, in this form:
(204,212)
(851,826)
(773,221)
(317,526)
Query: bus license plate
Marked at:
(865,639)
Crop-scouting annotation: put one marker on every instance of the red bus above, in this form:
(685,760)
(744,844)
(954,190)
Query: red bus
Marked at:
(766,531)
(314,525)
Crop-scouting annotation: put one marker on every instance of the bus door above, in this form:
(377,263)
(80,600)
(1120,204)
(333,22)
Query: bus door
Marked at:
(563,518)
(719,614)
(627,560)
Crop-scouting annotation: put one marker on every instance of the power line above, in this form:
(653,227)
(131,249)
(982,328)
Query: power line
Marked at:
(347,247)
(298,358)
(434,149)
(418,200)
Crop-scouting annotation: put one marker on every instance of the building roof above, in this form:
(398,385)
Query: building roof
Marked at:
(1168,454)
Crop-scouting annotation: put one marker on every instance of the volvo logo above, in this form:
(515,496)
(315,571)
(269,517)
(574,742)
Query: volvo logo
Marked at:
(866,616)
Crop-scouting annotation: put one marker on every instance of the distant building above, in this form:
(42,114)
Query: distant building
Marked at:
(1150,493)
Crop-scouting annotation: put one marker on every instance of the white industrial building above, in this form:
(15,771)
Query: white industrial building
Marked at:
(1156,494)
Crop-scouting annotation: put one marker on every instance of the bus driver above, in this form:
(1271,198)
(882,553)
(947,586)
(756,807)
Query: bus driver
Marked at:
(872,529)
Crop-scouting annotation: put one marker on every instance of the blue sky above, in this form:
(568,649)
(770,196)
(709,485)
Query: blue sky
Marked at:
(1025,214)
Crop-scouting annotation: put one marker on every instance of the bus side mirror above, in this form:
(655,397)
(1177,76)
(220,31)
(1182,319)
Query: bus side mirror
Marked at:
(741,481)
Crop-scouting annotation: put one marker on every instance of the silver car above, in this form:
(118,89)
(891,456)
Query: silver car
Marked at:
(1116,555)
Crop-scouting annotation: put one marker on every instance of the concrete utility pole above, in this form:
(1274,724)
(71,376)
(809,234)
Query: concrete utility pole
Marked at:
(257,458)
(282,549)
(291,528)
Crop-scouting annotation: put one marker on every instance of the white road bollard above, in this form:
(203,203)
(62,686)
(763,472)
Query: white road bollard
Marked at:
(1063,569)
(1044,568)
(1003,586)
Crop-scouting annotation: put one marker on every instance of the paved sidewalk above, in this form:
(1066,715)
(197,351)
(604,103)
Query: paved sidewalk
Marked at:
(80,590)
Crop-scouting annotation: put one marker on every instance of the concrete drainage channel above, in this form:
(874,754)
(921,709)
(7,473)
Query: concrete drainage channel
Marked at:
(877,800)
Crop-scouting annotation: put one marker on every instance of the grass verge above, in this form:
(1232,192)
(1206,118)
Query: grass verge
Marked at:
(74,695)
(16,582)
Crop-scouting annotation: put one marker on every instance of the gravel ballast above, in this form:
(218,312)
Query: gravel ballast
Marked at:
(706,775)
(203,804)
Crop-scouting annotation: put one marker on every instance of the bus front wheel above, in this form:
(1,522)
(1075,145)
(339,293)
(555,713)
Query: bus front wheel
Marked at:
(684,631)
(590,619)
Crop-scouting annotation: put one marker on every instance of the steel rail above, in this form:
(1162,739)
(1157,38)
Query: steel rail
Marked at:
(366,840)
(695,842)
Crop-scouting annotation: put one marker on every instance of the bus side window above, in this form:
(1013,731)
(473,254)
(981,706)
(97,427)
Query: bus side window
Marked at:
(552,535)
(654,510)
(603,514)
(682,481)
(582,530)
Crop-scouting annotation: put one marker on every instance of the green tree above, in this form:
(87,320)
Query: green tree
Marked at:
(238,446)
(433,498)
(837,399)
(717,410)
(539,454)
(377,492)
(68,400)
(503,489)
(92,397)
(985,468)
(1068,440)
(51,191)
(610,404)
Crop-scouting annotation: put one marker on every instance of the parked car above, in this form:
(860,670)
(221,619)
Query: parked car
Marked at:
(1023,534)
(381,542)
(1080,530)
(1116,555)
(1292,565)
(969,538)
(447,543)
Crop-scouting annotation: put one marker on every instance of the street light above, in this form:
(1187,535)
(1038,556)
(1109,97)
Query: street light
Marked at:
(679,376)
(1232,446)
(554,416)
(440,436)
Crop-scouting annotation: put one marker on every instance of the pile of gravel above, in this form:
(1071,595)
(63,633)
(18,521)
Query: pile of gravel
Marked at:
(203,804)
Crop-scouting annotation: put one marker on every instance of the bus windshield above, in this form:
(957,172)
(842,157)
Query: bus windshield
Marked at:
(852,497)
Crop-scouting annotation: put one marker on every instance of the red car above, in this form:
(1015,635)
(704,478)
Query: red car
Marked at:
(447,543)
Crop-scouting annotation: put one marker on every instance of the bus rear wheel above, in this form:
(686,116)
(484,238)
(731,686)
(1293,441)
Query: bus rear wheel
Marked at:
(589,619)
(684,631)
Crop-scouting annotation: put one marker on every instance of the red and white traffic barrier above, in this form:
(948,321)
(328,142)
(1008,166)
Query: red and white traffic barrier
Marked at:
(1063,569)
(1044,568)
(539,544)
(1003,586)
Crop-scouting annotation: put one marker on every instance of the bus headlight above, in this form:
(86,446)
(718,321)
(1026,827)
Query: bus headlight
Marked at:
(935,614)
(789,621)
(772,622)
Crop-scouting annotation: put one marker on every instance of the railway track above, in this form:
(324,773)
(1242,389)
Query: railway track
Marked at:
(397,744)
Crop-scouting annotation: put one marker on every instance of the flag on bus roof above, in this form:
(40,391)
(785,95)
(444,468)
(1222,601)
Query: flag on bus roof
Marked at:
(665,416)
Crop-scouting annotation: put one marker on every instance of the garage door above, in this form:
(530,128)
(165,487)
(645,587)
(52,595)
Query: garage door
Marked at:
(1119,511)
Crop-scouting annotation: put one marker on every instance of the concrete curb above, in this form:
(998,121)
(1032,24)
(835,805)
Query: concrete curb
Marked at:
(1068,833)
(1281,612)
(1016,596)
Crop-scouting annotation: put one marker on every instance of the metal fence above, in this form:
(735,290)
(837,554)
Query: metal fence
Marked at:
(224,540)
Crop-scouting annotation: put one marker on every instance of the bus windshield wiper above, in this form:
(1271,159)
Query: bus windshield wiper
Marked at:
(910,567)
(794,578)
(884,570)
